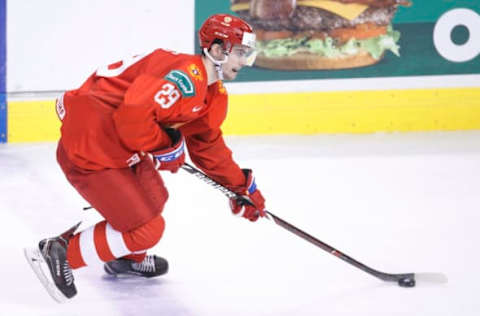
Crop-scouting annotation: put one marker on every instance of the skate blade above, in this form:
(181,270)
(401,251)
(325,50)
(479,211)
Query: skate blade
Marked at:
(39,266)
(110,273)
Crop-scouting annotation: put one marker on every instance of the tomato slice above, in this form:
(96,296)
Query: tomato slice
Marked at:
(271,35)
(360,31)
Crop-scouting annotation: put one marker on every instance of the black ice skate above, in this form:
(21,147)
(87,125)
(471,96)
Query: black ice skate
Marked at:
(52,253)
(150,267)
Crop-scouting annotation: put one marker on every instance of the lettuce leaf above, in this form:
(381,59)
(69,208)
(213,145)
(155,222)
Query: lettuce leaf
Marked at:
(376,46)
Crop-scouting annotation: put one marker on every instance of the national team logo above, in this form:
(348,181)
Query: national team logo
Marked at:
(195,72)
(227,19)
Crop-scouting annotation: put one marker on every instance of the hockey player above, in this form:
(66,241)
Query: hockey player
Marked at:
(126,122)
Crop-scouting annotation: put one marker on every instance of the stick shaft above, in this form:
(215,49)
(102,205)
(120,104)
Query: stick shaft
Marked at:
(298,232)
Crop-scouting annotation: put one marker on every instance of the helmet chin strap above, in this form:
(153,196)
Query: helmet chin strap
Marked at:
(218,63)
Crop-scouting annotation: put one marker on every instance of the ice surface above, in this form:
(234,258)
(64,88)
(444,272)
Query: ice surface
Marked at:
(397,202)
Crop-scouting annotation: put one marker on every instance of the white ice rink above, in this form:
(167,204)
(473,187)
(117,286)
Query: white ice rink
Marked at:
(396,202)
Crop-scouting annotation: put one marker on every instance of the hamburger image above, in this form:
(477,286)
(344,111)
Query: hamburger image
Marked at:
(320,34)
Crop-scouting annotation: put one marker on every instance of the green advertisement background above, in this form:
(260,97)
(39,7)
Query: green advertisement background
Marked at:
(418,54)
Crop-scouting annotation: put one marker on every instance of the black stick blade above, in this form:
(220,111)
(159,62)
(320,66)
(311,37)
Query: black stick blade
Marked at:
(411,279)
(407,282)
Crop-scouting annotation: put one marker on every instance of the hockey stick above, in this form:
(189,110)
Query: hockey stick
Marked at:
(403,279)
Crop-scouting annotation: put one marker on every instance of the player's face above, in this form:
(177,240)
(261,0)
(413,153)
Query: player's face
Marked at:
(239,57)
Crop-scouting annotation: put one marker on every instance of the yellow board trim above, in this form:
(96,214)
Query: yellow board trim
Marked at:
(354,112)
(32,121)
(302,113)
(348,11)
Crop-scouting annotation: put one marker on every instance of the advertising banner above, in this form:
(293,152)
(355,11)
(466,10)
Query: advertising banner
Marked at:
(329,39)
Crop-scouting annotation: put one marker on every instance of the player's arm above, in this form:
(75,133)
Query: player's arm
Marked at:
(209,152)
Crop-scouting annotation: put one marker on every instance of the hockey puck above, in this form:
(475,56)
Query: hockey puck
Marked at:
(406,282)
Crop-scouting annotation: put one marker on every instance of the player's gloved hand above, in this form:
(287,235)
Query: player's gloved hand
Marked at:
(250,192)
(173,157)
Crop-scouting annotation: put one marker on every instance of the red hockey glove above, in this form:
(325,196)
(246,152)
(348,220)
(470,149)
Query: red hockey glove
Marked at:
(173,157)
(250,192)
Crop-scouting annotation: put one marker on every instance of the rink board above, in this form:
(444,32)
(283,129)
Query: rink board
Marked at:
(302,113)
(3,72)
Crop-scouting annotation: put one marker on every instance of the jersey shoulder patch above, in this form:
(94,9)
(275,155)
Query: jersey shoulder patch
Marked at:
(195,72)
(183,82)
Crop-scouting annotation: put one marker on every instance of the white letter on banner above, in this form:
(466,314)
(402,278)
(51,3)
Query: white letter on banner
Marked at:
(442,35)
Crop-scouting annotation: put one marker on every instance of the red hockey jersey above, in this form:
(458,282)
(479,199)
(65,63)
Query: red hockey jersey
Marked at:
(122,108)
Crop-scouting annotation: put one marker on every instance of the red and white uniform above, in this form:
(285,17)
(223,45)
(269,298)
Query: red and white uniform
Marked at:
(117,114)
(121,109)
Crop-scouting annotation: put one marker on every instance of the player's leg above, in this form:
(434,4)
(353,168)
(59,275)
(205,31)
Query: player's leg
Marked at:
(130,199)
(122,252)
(127,198)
